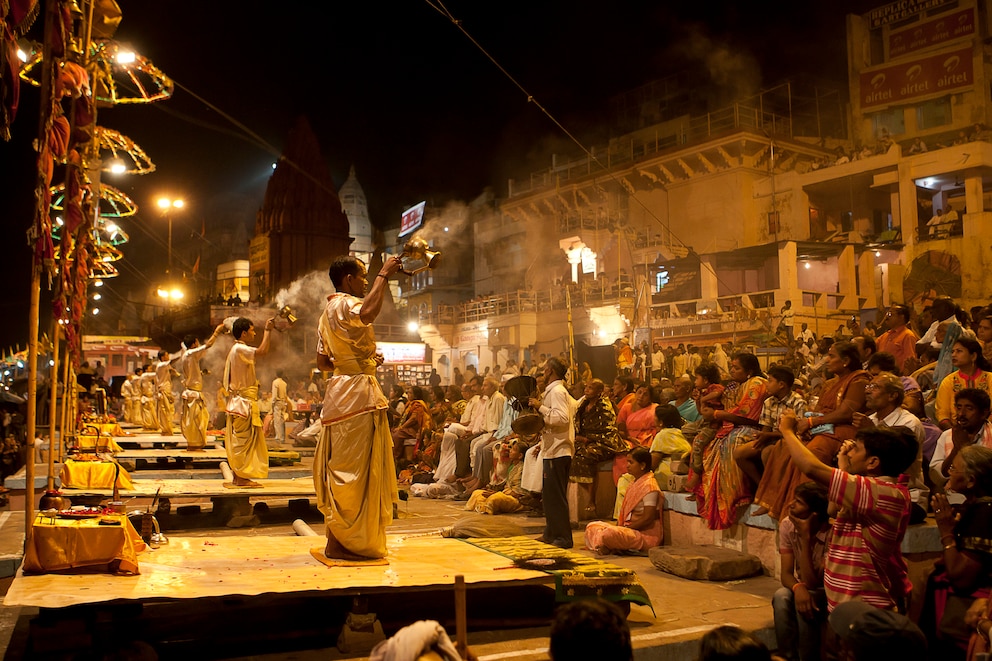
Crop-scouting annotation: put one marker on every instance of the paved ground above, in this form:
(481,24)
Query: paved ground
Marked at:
(684,609)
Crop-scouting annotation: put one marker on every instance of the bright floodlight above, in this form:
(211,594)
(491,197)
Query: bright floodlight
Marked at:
(98,283)
(413,326)
(807,265)
(21,55)
(164,203)
(118,168)
(96,310)
(179,204)
(125,57)
(97,296)
(176,294)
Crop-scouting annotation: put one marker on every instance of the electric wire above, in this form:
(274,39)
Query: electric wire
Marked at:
(439,7)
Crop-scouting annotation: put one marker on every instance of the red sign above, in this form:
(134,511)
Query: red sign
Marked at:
(928,76)
(412,218)
(931,33)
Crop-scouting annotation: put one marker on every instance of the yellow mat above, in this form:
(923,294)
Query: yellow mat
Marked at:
(193,567)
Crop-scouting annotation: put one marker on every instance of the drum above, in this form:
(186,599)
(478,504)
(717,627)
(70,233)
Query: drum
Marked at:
(520,389)
(528,424)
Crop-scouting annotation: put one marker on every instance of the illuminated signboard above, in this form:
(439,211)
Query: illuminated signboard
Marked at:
(928,76)
(412,218)
(402,352)
(900,10)
(932,33)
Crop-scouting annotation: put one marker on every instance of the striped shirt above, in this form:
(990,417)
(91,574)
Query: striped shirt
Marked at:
(864,558)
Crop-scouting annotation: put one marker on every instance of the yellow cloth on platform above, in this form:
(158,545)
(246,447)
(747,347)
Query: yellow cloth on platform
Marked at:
(93,475)
(60,544)
(91,442)
(353,471)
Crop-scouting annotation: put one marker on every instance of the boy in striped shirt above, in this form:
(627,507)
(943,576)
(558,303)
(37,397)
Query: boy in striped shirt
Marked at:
(864,559)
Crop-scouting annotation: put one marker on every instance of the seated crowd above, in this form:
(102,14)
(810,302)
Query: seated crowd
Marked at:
(845,443)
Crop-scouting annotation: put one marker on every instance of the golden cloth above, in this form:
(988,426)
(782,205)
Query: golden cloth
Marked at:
(193,419)
(353,471)
(60,544)
(247,453)
(89,442)
(108,428)
(93,475)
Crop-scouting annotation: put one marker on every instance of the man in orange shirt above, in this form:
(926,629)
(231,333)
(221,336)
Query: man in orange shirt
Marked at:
(899,339)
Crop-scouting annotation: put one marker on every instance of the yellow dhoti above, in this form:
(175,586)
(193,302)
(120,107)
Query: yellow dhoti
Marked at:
(355,480)
(247,454)
(148,418)
(193,420)
(166,411)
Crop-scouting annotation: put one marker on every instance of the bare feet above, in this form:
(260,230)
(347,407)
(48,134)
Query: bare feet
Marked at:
(761,511)
(245,482)
(338,552)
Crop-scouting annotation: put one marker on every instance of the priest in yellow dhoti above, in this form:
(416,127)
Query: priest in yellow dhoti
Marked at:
(194,417)
(149,418)
(353,470)
(245,443)
(166,410)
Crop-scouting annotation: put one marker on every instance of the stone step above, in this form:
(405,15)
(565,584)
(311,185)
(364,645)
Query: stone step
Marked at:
(706,563)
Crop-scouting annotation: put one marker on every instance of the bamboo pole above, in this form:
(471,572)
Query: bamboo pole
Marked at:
(461,618)
(66,405)
(53,405)
(32,396)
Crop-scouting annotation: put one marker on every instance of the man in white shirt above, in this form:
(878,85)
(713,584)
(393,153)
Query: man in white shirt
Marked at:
(971,426)
(280,401)
(557,447)
(884,396)
(460,434)
(657,362)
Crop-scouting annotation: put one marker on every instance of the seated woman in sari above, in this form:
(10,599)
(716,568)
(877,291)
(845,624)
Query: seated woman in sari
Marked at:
(723,489)
(596,439)
(637,424)
(639,524)
(510,497)
(415,424)
(829,424)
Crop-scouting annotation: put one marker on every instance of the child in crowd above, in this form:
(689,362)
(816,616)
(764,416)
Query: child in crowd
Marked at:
(864,559)
(668,443)
(751,456)
(709,398)
(800,605)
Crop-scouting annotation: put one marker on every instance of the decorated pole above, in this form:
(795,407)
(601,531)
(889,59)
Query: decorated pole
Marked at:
(53,405)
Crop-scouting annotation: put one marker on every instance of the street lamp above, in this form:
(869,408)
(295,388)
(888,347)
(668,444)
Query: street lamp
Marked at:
(167,205)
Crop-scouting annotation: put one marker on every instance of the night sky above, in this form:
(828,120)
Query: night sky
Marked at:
(395,89)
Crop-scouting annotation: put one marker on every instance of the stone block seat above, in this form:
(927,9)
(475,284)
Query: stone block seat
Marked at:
(758,535)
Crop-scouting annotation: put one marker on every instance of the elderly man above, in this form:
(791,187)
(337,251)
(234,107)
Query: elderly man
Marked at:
(557,446)
(884,397)
(247,454)
(482,444)
(683,399)
(194,417)
(596,438)
(353,469)
(899,339)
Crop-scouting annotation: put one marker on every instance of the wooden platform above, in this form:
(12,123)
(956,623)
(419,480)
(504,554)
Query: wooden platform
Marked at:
(183,456)
(177,489)
(197,567)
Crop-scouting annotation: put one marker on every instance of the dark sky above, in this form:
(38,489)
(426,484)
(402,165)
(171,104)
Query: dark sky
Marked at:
(395,89)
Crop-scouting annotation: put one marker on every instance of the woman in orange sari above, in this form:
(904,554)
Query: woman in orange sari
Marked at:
(639,524)
(829,424)
(637,424)
(724,489)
